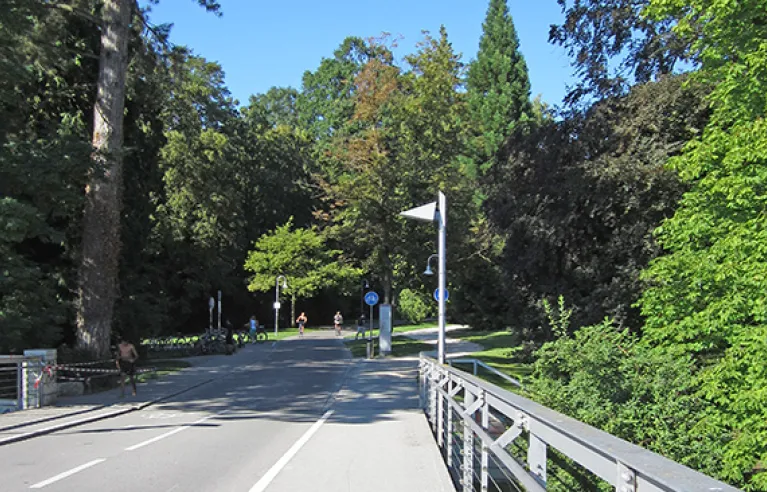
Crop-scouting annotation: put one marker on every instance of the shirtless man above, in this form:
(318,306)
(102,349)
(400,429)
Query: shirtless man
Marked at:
(126,363)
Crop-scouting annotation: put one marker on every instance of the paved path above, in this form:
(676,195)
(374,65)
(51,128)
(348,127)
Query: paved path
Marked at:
(454,347)
(295,415)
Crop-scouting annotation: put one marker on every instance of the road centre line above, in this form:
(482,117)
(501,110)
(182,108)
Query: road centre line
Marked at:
(58,477)
(170,433)
(262,484)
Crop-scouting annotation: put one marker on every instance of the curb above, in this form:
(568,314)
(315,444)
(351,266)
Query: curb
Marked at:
(48,419)
(88,420)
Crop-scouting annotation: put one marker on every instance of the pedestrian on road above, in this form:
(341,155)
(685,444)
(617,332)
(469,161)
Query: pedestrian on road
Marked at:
(360,327)
(253,328)
(301,320)
(338,320)
(126,364)
(229,338)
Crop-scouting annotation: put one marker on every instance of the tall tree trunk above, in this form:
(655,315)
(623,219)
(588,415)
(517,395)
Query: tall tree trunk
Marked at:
(98,275)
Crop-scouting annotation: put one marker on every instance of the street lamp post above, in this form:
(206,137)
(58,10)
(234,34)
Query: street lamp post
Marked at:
(436,212)
(277,299)
(363,287)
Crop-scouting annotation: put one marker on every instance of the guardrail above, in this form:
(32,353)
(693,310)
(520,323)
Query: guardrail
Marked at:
(476,364)
(496,440)
(20,377)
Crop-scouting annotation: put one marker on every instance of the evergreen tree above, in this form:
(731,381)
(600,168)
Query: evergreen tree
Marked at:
(498,85)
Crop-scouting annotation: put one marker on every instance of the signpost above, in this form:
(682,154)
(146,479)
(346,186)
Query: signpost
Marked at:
(371,299)
(211,305)
(219,310)
(436,295)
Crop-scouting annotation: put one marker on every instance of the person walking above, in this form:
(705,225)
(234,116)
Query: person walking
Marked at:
(360,327)
(126,364)
(338,320)
(301,320)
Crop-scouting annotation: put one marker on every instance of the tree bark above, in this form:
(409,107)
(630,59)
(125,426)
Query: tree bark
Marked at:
(99,267)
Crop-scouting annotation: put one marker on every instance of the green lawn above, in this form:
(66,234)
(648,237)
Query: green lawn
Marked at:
(401,347)
(498,352)
(397,329)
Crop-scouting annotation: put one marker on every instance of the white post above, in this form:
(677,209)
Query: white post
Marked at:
(442,273)
(219,310)
(211,305)
(276,303)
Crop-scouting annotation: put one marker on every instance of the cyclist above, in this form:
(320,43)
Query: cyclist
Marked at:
(301,320)
(337,322)
(253,328)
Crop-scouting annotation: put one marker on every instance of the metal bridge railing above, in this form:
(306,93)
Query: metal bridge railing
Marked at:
(496,440)
(20,378)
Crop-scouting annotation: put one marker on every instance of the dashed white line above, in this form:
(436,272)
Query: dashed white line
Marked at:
(170,433)
(58,477)
(261,485)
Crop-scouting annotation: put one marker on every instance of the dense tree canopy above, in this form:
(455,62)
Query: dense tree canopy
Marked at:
(641,202)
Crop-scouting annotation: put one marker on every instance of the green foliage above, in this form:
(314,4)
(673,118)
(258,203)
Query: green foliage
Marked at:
(497,84)
(413,306)
(300,255)
(706,297)
(577,201)
(559,321)
(613,45)
(604,377)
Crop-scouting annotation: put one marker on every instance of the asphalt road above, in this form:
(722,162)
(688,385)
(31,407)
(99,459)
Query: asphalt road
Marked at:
(236,433)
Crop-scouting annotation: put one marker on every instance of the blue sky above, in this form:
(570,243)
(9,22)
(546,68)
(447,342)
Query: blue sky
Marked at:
(266,43)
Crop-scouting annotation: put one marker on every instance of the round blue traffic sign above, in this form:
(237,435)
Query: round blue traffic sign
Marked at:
(436,295)
(371,298)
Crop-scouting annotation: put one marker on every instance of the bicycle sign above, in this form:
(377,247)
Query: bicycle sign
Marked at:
(436,295)
(371,298)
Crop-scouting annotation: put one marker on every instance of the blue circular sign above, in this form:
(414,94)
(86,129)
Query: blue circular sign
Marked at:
(436,295)
(371,298)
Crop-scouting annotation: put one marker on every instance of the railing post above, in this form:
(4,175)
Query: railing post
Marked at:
(536,459)
(440,414)
(468,445)
(485,458)
(449,431)
(19,386)
(433,377)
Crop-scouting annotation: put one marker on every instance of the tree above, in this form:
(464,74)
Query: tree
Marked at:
(98,275)
(613,45)
(498,86)
(303,257)
(576,202)
(706,296)
(276,107)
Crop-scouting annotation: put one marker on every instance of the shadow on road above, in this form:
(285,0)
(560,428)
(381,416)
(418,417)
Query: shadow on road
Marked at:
(302,378)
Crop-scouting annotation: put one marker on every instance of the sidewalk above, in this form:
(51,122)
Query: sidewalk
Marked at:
(454,347)
(377,439)
(78,410)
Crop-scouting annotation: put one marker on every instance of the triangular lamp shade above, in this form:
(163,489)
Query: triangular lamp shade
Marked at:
(424,212)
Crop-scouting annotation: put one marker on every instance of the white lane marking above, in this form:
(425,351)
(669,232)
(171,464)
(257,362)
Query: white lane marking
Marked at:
(273,344)
(170,433)
(277,467)
(58,477)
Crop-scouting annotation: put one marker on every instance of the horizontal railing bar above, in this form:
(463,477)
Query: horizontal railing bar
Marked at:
(488,367)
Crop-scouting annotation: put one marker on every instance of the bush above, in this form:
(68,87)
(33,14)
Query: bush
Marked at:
(413,306)
(604,377)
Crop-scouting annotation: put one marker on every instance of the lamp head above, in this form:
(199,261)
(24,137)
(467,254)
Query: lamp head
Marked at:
(284,283)
(428,270)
